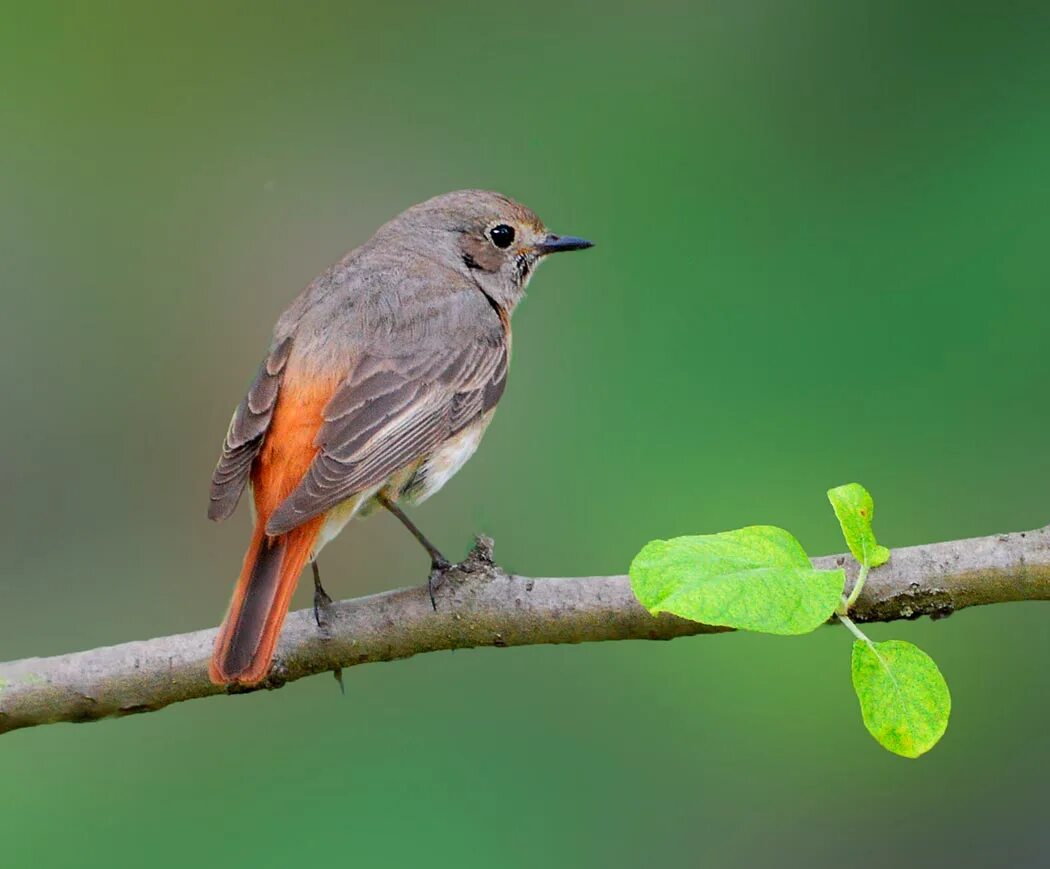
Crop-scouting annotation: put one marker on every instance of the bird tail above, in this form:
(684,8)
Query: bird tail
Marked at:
(244,647)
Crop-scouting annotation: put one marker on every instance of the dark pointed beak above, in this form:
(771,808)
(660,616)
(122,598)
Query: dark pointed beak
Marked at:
(558,243)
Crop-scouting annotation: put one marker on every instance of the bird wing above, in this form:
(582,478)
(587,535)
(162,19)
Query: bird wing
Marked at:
(391,410)
(244,438)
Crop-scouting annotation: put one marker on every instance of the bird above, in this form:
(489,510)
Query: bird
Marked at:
(381,378)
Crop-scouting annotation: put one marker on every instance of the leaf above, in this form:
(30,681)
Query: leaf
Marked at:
(903,696)
(854,509)
(757,578)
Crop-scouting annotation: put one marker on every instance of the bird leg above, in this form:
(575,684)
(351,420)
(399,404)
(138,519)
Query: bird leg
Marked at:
(438,563)
(321,599)
(321,602)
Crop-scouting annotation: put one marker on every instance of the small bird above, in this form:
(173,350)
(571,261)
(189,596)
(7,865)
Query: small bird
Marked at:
(380,381)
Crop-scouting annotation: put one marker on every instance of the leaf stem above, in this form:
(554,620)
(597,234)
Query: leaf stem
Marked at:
(858,586)
(853,629)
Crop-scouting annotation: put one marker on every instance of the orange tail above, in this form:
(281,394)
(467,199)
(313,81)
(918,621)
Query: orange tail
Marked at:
(272,565)
(246,640)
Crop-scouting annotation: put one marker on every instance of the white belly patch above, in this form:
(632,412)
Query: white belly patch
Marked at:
(448,458)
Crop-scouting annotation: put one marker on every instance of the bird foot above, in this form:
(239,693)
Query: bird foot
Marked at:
(321,599)
(322,603)
(439,569)
(478,561)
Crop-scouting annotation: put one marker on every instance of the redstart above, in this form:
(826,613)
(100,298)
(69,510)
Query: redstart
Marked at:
(380,381)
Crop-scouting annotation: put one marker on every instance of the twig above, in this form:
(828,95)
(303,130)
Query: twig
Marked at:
(481,605)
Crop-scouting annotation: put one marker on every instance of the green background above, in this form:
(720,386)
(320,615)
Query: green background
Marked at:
(822,256)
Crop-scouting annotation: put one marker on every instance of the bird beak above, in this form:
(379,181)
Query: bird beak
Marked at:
(557,243)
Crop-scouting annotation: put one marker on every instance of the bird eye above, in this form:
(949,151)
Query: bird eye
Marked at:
(502,235)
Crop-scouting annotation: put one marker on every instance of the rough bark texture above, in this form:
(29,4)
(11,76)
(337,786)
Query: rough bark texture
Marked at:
(481,605)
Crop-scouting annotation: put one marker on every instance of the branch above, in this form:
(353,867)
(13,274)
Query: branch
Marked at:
(482,605)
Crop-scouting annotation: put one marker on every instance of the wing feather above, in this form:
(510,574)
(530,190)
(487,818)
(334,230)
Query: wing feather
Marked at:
(245,435)
(388,414)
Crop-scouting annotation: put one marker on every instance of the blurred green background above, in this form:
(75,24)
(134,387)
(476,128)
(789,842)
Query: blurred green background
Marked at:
(822,256)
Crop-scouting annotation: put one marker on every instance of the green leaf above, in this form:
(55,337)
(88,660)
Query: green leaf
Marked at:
(854,509)
(757,578)
(903,696)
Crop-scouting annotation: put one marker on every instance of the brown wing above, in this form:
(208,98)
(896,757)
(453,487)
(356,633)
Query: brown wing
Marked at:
(388,414)
(246,432)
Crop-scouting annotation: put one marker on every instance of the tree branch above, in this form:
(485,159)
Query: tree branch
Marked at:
(481,605)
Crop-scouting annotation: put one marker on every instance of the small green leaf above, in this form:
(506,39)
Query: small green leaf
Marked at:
(757,578)
(903,696)
(854,509)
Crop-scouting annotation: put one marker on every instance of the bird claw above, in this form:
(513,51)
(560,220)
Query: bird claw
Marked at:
(439,569)
(321,599)
(477,563)
(321,604)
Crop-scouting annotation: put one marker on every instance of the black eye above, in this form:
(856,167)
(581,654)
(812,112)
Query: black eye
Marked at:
(502,235)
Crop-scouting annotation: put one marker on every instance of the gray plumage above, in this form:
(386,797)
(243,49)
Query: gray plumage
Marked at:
(413,331)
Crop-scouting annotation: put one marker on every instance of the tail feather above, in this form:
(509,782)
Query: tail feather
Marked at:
(245,644)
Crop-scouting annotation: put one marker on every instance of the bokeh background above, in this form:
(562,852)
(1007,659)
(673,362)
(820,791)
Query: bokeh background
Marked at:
(822,257)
